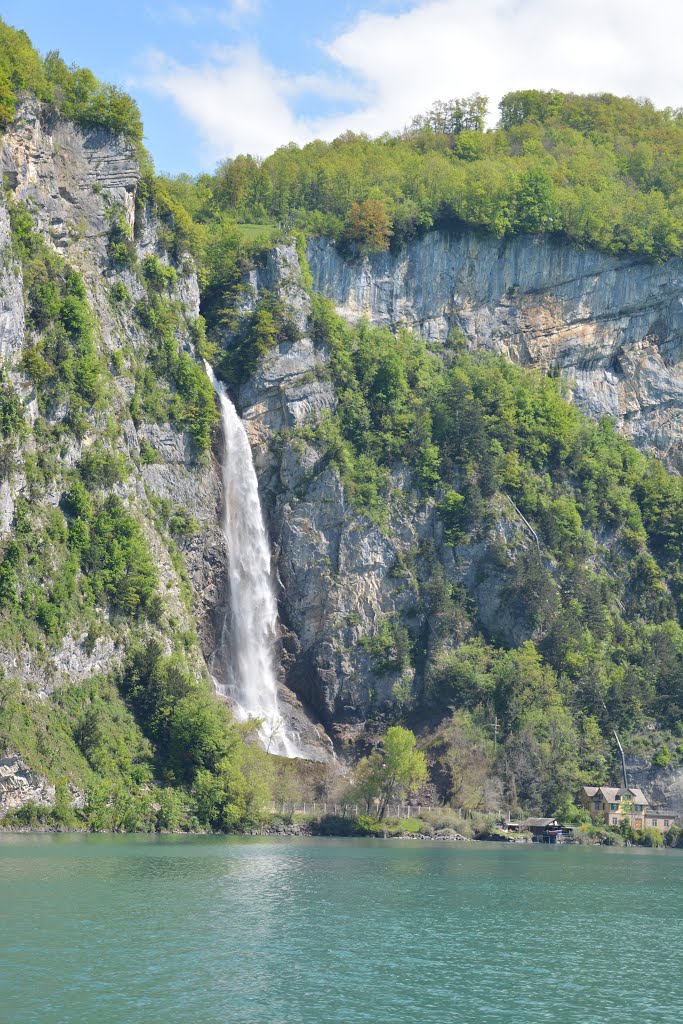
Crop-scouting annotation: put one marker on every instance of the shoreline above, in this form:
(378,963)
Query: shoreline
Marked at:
(284,832)
(301,833)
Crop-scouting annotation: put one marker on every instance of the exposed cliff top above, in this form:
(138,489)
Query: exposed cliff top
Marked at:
(611,325)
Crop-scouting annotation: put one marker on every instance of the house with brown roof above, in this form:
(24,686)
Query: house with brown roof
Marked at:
(614,804)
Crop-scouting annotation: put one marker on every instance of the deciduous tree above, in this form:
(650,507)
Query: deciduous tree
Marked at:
(388,773)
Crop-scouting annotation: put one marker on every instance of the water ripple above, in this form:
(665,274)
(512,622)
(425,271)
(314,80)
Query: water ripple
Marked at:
(143,930)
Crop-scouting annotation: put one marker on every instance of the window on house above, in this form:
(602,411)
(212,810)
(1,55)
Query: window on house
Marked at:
(614,807)
(666,823)
(637,807)
(597,805)
(615,821)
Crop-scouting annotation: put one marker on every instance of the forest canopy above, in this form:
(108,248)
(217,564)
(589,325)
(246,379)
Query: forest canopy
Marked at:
(601,170)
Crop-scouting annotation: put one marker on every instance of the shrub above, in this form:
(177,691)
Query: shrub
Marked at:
(194,405)
(158,274)
(29,815)
(112,551)
(172,812)
(269,324)
(12,419)
(119,292)
(101,467)
(148,454)
(650,837)
(335,825)
(20,69)
(368,826)
(120,245)
(368,225)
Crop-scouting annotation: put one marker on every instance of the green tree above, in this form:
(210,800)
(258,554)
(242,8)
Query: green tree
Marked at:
(468,758)
(368,224)
(650,837)
(451,117)
(387,774)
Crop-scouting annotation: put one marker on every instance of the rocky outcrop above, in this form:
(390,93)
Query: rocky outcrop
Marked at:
(19,784)
(613,326)
(662,786)
(75,660)
(288,388)
(11,298)
(71,178)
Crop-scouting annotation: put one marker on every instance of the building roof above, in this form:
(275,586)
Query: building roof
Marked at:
(612,794)
(539,822)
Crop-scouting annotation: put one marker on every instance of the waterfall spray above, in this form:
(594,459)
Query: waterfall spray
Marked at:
(249,630)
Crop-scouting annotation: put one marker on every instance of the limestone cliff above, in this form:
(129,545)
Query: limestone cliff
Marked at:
(19,784)
(342,577)
(76,184)
(613,326)
(663,786)
(72,182)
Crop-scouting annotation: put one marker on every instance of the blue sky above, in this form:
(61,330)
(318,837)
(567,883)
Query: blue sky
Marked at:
(226,76)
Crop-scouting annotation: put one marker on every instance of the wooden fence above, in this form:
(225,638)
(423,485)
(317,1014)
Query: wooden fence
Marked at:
(318,808)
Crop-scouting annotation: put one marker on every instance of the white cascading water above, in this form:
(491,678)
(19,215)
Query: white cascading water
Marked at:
(250,627)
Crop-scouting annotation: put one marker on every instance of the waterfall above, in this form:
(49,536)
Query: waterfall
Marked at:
(250,627)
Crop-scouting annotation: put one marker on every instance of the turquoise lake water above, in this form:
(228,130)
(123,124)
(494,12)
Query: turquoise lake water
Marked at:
(209,930)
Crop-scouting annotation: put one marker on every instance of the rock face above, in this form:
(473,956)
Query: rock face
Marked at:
(11,298)
(19,784)
(286,390)
(341,578)
(663,786)
(72,174)
(613,326)
(75,184)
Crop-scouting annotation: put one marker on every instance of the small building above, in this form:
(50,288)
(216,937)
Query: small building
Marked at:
(545,830)
(662,820)
(614,804)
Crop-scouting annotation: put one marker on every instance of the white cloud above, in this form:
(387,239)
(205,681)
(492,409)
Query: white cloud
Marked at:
(239,104)
(388,67)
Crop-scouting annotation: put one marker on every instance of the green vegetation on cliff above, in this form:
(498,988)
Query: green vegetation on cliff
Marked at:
(76,92)
(595,590)
(79,564)
(592,578)
(81,572)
